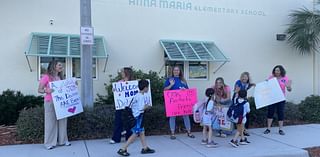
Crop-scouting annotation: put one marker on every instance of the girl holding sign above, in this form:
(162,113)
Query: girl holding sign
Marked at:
(120,119)
(177,81)
(280,73)
(55,131)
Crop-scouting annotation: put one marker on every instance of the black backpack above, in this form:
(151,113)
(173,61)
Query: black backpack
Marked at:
(236,109)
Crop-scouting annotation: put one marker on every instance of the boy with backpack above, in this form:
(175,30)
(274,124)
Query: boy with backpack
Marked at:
(138,106)
(237,114)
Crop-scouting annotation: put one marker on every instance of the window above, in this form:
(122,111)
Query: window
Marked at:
(72,66)
(44,63)
(170,64)
(198,70)
(76,68)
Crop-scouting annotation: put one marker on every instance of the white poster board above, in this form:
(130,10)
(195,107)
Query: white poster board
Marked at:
(267,93)
(66,98)
(221,113)
(123,93)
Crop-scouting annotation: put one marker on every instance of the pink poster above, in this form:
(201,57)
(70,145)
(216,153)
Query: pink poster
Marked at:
(180,102)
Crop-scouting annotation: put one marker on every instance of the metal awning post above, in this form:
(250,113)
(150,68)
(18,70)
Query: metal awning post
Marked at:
(28,63)
(219,67)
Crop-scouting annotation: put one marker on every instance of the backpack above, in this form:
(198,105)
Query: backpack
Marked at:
(236,109)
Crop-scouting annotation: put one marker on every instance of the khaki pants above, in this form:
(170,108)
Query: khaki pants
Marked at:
(55,131)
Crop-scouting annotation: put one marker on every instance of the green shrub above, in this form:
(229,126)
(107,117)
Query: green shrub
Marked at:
(96,122)
(156,87)
(30,125)
(310,109)
(12,102)
(258,118)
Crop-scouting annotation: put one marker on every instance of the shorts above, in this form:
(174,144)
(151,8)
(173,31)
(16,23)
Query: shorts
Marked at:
(138,127)
(207,119)
(239,120)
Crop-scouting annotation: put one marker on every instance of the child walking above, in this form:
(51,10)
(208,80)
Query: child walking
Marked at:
(207,109)
(237,113)
(138,107)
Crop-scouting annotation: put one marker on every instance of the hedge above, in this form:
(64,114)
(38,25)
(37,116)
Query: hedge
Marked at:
(12,102)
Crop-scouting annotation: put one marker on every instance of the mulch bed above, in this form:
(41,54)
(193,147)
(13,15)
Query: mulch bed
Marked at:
(8,135)
(314,151)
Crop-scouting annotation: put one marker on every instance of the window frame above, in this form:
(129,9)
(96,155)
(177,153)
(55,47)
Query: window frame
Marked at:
(68,67)
(197,79)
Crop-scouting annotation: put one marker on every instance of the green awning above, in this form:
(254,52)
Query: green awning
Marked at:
(62,45)
(178,50)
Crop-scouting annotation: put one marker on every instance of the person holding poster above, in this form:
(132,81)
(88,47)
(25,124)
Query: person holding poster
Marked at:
(55,131)
(279,73)
(222,94)
(120,118)
(177,81)
(138,106)
(244,83)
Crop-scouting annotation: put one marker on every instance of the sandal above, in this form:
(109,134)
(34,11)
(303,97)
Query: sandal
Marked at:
(190,135)
(172,137)
(123,152)
(267,131)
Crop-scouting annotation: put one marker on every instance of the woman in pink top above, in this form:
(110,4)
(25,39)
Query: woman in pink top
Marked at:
(55,131)
(222,95)
(222,92)
(280,73)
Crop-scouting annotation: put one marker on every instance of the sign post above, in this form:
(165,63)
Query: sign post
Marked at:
(87,40)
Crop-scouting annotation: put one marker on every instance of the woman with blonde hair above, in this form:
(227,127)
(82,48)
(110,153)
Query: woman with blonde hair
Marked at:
(55,131)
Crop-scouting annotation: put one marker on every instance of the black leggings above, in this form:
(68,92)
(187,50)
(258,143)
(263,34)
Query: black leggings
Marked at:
(280,110)
(120,123)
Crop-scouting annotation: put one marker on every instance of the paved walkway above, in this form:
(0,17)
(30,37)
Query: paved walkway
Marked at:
(271,145)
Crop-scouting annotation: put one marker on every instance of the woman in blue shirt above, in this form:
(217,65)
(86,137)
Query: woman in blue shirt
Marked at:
(244,83)
(177,81)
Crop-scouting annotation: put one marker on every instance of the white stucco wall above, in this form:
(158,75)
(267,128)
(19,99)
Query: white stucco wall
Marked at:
(133,31)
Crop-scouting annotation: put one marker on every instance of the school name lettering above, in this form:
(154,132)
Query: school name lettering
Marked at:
(189,6)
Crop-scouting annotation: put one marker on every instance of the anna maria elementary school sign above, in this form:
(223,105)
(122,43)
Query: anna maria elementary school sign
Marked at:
(191,6)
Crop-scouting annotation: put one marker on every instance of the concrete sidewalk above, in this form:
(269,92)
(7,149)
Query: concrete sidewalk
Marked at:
(271,145)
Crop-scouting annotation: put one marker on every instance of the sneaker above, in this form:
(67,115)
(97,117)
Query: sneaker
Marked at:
(112,142)
(67,144)
(246,133)
(221,135)
(281,132)
(234,143)
(190,135)
(246,140)
(267,131)
(49,147)
(212,144)
(147,151)
(203,142)
(172,137)
(243,142)
(123,152)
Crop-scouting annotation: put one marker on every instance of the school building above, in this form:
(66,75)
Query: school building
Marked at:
(208,38)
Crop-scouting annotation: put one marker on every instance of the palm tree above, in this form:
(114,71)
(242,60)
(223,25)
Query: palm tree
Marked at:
(304,30)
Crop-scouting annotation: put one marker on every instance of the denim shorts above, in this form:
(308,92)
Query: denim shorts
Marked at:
(138,127)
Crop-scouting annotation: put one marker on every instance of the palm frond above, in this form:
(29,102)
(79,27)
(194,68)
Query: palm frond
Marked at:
(304,30)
